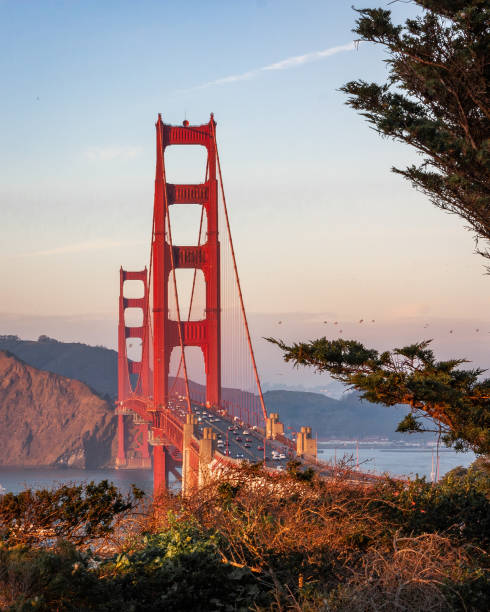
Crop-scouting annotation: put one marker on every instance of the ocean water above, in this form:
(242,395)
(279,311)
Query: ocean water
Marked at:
(392,459)
(398,461)
(15,480)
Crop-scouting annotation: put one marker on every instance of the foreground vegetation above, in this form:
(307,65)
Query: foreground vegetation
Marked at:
(251,541)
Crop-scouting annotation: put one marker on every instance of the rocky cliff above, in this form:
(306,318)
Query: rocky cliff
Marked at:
(49,420)
(94,365)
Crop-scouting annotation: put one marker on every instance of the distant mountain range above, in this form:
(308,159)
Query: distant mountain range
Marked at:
(345,418)
(96,366)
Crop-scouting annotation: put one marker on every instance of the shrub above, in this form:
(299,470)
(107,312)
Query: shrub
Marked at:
(251,539)
(457,507)
(313,541)
(77,513)
(424,573)
(36,579)
(181,568)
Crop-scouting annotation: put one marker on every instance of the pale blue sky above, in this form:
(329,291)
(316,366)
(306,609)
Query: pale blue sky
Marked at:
(320,223)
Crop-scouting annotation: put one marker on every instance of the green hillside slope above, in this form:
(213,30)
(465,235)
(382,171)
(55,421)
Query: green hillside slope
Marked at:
(97,367)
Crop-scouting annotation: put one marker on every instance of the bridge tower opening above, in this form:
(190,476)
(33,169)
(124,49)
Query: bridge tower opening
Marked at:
(166,257)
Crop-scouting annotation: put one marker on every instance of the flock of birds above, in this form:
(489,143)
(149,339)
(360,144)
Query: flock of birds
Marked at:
(477,330)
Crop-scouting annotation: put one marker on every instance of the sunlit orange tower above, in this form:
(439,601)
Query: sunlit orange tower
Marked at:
(134,378)
(206,333)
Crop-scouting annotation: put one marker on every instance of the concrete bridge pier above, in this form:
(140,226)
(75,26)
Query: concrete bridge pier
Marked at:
(188,477)
(273,427)
(207,446)
(306,444)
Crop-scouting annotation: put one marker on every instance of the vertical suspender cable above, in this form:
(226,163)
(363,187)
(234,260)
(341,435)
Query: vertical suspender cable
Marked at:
(192,295)
(257,380)
(149,301)
(194,277)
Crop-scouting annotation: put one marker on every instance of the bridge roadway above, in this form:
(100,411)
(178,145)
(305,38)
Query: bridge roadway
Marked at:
(234,438)
(249,446)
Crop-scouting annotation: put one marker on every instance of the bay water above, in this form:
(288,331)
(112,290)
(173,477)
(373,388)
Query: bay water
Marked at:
(394,460)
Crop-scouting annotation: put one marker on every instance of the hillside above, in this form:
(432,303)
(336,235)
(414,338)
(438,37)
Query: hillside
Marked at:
(348,417)
(97,367)
(50,420)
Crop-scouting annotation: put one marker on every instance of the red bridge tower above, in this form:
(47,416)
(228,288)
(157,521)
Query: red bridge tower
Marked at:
(206,333)
(173,434)
(133,376)
(166,257)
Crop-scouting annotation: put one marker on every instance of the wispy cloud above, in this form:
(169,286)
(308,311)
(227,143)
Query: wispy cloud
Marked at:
(110,153)
(82,247)
(285,64)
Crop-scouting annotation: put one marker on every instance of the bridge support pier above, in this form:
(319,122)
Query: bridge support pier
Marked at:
(207,446)
(159,470)
(189,481)
(273,426)
(121,454)
(305,444)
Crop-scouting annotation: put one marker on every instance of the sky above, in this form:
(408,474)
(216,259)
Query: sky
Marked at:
(322,229)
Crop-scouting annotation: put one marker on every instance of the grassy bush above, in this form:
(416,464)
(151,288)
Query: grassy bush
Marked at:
(255,541)
(178,569)
(314,544)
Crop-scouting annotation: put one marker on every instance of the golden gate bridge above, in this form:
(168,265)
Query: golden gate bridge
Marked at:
(192,426)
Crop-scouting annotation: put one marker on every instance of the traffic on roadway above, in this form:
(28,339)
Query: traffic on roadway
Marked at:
(236,439)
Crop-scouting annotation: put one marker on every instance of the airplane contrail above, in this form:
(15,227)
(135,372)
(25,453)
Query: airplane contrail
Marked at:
(285,64)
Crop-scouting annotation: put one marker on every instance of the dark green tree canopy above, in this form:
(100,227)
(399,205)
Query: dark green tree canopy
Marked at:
(436,100)
(442,397)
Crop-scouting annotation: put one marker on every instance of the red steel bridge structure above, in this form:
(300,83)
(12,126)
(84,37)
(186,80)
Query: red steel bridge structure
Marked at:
(156,388)
(164,388)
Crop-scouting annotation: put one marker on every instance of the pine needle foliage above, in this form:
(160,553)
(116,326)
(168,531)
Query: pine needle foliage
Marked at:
(436,100)
(442,396)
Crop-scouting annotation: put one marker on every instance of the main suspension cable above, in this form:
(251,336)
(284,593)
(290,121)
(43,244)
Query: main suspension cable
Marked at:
(237,278)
